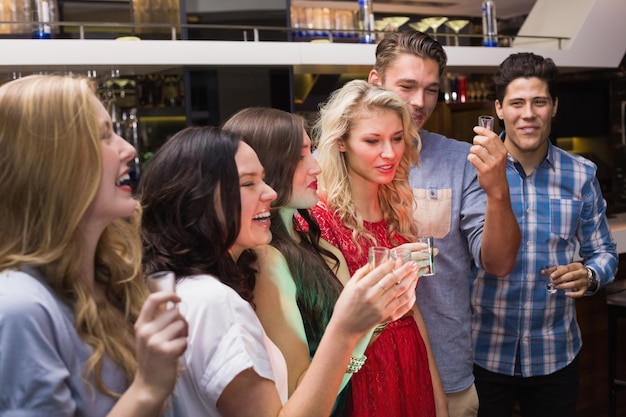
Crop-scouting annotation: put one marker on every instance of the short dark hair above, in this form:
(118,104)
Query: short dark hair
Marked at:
(192,207)
(408,42)
(525,65)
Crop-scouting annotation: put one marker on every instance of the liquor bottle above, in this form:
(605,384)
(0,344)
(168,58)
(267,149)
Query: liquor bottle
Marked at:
(446,88)
(462,88)
(171,89)
(365,18)
(490,25)
(454,89)
(41,19)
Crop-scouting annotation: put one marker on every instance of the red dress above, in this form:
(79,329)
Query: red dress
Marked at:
(395,380)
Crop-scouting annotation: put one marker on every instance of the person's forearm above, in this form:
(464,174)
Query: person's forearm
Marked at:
(359,350)
(138,401)
(318,388)
(501,237)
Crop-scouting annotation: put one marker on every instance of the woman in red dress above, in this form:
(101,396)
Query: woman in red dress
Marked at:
(366,144)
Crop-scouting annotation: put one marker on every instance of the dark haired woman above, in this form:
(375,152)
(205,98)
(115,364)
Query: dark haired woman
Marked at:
(205,204)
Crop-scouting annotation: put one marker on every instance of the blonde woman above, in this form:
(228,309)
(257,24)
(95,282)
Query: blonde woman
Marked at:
(366,144)
(74,337)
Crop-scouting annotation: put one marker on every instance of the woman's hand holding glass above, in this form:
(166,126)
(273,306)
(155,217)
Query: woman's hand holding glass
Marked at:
(421,255)
(160,339)
(376,295)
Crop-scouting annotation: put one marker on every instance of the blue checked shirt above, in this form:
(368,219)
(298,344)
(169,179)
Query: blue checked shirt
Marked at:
(559,208)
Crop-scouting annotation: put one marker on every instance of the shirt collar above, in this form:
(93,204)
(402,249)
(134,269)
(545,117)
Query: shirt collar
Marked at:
(549,159)
(550,155)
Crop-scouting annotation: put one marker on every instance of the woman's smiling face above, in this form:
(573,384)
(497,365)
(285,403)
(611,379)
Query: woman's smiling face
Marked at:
(256,197)
(114,197)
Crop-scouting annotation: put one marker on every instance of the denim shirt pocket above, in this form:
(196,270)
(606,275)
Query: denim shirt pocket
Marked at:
(433,212)
(564,217)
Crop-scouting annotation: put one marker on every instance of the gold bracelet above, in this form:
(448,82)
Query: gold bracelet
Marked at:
(355,364)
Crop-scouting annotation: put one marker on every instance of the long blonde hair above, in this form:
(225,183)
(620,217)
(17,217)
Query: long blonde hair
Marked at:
(334,125)
(50,171)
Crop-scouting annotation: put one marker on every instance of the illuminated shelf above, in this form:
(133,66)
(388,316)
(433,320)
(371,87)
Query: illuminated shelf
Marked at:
(145,56)
(591,37)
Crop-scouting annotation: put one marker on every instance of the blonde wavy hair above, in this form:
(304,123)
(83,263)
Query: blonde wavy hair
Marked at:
(336,120)
(50,171)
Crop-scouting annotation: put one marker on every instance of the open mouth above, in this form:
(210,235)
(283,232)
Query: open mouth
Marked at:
(123,180)
(262,217)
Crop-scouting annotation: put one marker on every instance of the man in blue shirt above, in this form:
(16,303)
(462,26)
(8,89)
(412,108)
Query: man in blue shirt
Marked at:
(462,201)
(526,338)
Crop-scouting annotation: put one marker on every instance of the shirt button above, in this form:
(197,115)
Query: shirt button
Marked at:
(530,277)
(527,306)
(528,210)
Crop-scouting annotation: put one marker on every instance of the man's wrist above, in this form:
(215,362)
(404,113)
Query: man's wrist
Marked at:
(592,281)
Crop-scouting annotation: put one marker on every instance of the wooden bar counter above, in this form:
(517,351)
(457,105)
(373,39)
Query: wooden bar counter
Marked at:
(593,398)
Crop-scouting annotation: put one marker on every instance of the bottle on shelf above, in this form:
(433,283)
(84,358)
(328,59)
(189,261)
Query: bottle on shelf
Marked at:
(365,18)
(454,90)
(446,88)
(490,24)
(171,90)
(41,19)
(462,88)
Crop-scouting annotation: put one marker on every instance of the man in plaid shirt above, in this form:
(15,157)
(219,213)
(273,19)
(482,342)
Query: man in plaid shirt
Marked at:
(526,339)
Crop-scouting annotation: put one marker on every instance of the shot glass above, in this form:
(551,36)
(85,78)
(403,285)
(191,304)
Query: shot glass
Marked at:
(431,259)
(162,281)
(546,271)
(377,255)
(485,121)
(400,256)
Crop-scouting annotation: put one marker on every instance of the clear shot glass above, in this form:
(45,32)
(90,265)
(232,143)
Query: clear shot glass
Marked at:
(485,121)
(546,271)
(431,259)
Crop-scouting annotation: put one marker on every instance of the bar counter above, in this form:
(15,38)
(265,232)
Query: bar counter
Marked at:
(592,317)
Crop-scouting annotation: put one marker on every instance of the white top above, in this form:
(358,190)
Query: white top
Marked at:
(225,338)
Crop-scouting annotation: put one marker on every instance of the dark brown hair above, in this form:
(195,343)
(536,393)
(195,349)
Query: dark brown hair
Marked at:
(277,138)
(192,207)
(525,65)
(408,42)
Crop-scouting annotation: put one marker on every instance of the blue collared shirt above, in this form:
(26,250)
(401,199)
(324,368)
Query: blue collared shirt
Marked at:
(451,208)
(559,208)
